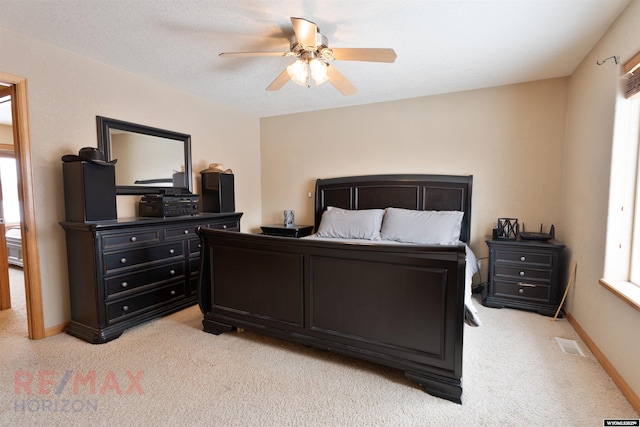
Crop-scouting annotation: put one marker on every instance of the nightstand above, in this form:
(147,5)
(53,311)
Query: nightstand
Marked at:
(283,231)
(524,274)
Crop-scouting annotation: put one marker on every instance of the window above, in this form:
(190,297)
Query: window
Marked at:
(622,263)
(634,268)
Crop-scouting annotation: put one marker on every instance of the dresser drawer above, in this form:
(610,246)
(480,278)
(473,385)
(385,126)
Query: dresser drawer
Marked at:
(194,266)
(127,307)
(194,247)
(130,238)
(227,225)
(523,272)
(522,290)
(115,286)
(521,257)
(123,259)
(182,232)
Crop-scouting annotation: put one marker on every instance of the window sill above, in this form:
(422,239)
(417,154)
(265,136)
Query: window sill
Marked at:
(626,291)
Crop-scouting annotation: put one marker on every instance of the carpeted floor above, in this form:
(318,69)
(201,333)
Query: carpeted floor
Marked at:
(168,372)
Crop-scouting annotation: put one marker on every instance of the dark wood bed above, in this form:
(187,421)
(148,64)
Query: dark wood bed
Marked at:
(397,305)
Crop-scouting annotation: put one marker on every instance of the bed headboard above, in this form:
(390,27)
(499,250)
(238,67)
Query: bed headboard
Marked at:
(419,192)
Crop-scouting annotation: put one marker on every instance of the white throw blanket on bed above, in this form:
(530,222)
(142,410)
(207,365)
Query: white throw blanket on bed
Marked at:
(471,312)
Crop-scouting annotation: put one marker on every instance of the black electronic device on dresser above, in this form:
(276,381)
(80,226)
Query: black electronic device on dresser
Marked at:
(125,272)
(524,274)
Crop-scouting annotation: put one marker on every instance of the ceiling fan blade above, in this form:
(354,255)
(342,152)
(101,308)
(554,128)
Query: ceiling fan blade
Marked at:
(279,81)
(306,31)
(340,82)
(248,54)
(364,54)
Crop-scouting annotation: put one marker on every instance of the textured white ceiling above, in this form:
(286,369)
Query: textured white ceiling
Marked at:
(442,46)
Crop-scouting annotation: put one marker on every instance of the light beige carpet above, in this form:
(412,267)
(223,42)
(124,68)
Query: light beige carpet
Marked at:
(169,372)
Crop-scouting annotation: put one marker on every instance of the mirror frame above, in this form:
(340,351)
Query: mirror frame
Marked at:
(104,144)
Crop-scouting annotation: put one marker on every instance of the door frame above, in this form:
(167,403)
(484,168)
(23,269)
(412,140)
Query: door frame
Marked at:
(5,285)
(26,196)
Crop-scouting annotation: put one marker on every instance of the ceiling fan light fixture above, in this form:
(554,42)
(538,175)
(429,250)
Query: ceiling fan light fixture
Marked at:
(318,71)
(299,72)
(303,71)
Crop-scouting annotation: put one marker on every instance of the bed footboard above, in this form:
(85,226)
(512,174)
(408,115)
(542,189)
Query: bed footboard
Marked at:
(389,304)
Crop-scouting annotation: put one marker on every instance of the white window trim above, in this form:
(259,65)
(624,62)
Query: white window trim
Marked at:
(626,291)
(624,204)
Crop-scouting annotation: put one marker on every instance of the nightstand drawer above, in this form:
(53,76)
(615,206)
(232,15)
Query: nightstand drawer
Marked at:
(523,272)
(522,290)
(520,256)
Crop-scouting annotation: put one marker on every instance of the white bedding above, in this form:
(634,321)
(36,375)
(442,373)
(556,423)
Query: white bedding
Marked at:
(471,313)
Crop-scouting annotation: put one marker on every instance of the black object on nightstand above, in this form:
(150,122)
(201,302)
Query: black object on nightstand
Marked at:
(524,274)
(284,231)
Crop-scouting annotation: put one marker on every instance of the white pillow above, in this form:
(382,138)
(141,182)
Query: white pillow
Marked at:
(423,227)
(351,224)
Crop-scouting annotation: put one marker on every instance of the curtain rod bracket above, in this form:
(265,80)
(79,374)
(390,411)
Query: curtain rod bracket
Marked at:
(615,58)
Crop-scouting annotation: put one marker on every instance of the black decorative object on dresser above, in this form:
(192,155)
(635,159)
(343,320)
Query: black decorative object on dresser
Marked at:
(524,274)
(125,272)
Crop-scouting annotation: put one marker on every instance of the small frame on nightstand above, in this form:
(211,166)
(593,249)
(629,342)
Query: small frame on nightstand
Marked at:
(287,231)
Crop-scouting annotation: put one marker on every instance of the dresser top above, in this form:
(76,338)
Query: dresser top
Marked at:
(142,221)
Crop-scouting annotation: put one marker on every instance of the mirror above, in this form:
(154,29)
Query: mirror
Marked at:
(150,160)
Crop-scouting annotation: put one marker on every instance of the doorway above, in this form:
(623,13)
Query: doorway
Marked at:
(16,88)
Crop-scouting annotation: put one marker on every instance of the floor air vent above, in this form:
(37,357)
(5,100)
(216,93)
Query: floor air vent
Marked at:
(570,346)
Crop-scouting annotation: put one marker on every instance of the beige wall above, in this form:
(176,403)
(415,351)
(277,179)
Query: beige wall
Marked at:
(594,99)
(510,138)
(66,92)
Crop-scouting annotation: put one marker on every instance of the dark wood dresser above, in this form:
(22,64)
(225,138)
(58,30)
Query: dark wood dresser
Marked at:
(524,274)
(125,272)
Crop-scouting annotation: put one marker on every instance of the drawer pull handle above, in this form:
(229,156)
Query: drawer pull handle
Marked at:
(133,238)
(172,272)
(123,260)
(526,285)
(125,284)
(224,226)
(521,291)
(199,245)
(523,258)
(171,251)
(125,308)
(173,292)
(522,273)
(186,231)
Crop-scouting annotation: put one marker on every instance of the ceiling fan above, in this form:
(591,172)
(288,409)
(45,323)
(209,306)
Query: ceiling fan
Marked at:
(313,58)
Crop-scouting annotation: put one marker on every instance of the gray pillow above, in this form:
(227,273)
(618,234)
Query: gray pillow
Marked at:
(423,227)
(351,224)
